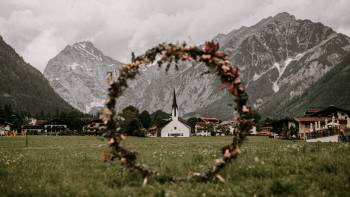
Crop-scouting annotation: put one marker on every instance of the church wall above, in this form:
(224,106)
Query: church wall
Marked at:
(175,128)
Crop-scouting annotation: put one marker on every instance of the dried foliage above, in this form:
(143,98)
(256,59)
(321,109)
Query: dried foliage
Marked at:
(172,55)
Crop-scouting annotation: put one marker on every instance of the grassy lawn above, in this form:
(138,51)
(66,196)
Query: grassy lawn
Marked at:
(73,166)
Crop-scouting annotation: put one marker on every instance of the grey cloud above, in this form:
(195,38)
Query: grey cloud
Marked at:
(38,29)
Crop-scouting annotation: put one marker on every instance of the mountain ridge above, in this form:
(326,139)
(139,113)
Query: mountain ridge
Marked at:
(24,87)
(280,58)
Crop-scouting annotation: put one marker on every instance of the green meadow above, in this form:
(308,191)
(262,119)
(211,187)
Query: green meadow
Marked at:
(73,166)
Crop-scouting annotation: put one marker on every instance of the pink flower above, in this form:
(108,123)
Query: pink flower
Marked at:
(237,80)
(245,109)
(206,57)
(111,141)
(220,54)
(225,68)
(227,153)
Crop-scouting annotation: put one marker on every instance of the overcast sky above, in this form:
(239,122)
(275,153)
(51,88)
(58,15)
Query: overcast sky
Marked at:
(39,29)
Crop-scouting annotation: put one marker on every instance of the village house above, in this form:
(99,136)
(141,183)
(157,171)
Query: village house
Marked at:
(44,127)
(176,127)
(54,126)
(225,128)
(206,126)
(326,122)
(265,129)
(94,127)
(34,126)
(152,132)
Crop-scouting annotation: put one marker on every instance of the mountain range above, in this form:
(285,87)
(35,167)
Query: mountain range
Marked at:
(287,65)
(282,60)
(25,88)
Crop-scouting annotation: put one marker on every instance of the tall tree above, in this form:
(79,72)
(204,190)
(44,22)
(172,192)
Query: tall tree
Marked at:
(8,111)
(255,116)
(192,123)
(129,113)
(159,117)
(2,112)
(145,119)
(133,127)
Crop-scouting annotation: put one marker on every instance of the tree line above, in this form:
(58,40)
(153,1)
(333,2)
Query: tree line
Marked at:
(135,123)
(75,120)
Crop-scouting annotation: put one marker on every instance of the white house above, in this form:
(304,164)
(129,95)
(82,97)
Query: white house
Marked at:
(175,128)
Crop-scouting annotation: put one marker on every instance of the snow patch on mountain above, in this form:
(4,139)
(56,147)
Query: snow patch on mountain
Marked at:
(73,66)
(281,68)
(82,46)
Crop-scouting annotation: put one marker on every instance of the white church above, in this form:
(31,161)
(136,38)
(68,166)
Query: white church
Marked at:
(175,128)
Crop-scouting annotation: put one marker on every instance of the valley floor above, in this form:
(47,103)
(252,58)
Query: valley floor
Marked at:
(73,166)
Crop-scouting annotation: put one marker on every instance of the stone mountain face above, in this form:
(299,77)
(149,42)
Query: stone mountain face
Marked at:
(153,89)
(280,57)
(25,88)
(78,75)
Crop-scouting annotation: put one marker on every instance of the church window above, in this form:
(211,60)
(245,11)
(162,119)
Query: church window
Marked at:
(174,128)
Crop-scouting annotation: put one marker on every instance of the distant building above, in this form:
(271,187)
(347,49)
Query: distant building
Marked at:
(329,121)
(152,132)
(54,126)
(225,128)
(206,126)
(44,127)
(94,127)
(34,127)
(311,110)
(265,129)
(175,128)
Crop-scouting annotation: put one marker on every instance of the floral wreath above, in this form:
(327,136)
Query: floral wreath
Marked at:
(172,54)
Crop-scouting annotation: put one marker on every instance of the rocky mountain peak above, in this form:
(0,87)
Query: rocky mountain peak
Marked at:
(284,16)
(78,75)
(85,44)
(84,49)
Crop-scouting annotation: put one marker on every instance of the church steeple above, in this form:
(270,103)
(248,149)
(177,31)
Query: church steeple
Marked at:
(175,113)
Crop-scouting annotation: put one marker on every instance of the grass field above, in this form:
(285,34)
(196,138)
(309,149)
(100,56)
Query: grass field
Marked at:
(73,166)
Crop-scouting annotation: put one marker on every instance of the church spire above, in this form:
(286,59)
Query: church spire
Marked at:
(174,100)
(175,108)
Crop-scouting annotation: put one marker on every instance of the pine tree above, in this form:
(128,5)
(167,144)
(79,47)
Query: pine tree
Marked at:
(145,119)
(192,123)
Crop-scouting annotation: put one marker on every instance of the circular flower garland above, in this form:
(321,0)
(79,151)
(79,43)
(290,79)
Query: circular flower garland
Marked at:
(172,54)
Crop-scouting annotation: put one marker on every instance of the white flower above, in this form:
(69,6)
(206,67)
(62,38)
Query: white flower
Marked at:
(256,159)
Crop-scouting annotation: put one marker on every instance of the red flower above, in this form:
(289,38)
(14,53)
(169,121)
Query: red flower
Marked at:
(211,47)
(245,109)
(231,87)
